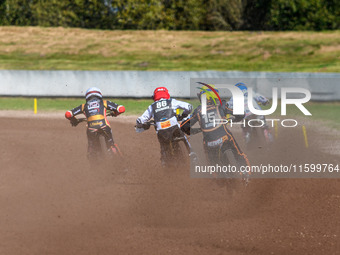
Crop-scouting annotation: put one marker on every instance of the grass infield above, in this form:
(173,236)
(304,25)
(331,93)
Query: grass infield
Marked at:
(325,111)
(35,48)
(133,106)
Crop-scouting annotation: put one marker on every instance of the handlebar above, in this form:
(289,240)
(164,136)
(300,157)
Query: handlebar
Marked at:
(145,126)
(151,122)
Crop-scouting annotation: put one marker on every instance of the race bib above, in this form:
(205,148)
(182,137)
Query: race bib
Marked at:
(165,124)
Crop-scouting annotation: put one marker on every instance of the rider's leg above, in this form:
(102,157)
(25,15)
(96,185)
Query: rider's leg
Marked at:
(165,137)
(192,154)
(111,146)
(212,154)
(92,142)
(163,146)
(246,131)
(266,131)
(240,156)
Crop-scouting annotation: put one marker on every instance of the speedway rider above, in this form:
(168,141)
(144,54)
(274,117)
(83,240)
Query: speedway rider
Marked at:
(95,111)
(163,111)
(217,138)
(257,99)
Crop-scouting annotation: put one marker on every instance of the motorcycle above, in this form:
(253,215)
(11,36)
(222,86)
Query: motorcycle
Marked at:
(101,149)
(176,145)
(255,135)
(221,154)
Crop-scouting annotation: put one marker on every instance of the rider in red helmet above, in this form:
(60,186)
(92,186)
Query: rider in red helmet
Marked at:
(163,111)
(95,112)
(159,93)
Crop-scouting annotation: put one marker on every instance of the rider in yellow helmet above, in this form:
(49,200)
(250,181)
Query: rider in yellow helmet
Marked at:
(217,138)
(211,94)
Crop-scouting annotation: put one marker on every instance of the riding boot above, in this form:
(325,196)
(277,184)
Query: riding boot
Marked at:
(268,136)
(193,158)
(247,137)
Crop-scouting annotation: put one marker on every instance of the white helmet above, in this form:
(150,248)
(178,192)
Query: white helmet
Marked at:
(93,92)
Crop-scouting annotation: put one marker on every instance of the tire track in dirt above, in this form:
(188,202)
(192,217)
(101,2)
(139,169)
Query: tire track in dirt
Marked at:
(52,202)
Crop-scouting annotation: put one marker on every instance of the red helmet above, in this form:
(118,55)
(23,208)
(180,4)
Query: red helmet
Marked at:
(160,92)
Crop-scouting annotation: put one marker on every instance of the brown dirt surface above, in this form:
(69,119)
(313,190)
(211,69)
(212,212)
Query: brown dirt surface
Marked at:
(53,202)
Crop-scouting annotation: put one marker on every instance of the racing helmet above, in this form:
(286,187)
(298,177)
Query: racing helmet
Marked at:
(212,95)
(242,87)
(159,93)
(93,92)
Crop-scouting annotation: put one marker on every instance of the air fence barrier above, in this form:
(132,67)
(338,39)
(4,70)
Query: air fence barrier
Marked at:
(140,84)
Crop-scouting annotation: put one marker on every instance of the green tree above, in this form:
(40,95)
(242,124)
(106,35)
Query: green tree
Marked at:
(53,13)
(75,13)
(93,13)
(224,14)
(303,15)
(174,14)
(184,14)
(17,12)
(256,14)
(139,14)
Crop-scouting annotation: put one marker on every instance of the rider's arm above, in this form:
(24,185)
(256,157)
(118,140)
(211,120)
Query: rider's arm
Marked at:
(75,111)
(117,109)
(261,99)
(230,104)
(228,110)
(186,107)
(189,122)
(147,115)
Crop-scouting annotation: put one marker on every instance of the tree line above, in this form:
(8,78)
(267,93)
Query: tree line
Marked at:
(223,15)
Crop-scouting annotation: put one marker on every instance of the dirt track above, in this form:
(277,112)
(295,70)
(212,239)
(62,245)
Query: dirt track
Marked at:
(53,203)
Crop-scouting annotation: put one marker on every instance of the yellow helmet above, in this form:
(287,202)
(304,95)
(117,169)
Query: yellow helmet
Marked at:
(210,91)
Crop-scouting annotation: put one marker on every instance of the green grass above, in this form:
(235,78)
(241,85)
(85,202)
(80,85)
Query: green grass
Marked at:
(37,48)
(328,112)
(133,106)
(324,111)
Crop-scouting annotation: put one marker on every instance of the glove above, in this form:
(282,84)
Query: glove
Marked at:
(139,123)
(68,115)
(146,126)
(114,114)
(184,115)
(120,109)
(74,122)
(181,117)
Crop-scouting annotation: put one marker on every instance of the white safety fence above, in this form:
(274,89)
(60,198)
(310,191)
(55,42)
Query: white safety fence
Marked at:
(323,86)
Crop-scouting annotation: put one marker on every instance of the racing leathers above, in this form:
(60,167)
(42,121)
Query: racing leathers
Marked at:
(95,112)
(217,138)
(256,101)
(167,127)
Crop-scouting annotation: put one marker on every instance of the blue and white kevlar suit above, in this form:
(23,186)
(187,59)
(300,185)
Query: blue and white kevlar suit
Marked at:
(256,100)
